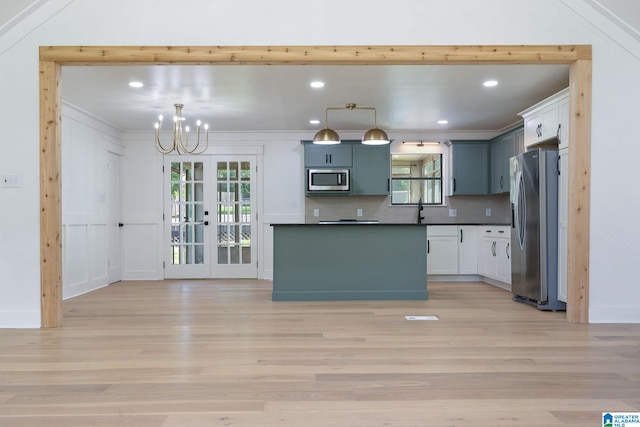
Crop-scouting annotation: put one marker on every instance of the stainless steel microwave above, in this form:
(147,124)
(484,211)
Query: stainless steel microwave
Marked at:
(328,180)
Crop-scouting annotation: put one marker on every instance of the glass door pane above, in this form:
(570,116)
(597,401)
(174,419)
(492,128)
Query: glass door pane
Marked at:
(235,215)
(186,218)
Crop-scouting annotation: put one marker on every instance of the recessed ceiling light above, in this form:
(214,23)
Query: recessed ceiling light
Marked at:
(317,84)
(314,121)
(443,122)
(136,84)
(490,83)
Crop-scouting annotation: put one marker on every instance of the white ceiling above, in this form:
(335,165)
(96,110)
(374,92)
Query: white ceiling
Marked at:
(279,98)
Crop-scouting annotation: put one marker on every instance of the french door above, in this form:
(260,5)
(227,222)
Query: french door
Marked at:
(210,217)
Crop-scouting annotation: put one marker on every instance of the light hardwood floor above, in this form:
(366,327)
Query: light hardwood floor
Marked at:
(221,353)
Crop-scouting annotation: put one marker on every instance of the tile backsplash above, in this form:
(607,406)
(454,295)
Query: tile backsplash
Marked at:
(469,209)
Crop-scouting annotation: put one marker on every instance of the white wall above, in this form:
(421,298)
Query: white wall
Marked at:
(614,236)
(86,143)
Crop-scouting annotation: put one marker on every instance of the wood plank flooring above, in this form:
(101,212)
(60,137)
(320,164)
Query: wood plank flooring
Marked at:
(221,353)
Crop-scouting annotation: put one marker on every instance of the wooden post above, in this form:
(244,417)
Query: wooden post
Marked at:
(50,196)
(579,192)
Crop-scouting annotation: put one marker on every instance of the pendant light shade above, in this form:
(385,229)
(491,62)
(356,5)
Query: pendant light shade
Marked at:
(326,136)
(375,136)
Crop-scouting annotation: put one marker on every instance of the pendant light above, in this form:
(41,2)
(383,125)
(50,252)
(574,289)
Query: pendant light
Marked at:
(374,136)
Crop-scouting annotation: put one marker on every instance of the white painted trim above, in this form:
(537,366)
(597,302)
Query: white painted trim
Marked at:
(76,113)
(28,21)
(614,314)
(20,319)
(606,25)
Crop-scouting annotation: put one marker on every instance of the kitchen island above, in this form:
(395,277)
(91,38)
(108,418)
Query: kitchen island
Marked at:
(349,261)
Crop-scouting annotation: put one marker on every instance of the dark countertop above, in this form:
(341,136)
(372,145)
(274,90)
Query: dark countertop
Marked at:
(360,224)
(342,224)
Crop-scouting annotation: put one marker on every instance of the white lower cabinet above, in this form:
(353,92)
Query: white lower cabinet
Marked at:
(495,253)
(452,249)
(503,255)
(467,249)
(470,250)
(442,249)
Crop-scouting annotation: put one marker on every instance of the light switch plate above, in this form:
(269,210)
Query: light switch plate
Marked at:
(10,181)
(487,212)
(359,212)
(453,212)
(316,213)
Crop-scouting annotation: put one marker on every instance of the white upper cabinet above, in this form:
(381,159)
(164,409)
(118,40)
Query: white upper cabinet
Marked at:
(563,112)
(542,122)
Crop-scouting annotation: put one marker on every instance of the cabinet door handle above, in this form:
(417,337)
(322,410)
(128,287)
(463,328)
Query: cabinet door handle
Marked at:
(388,185)
(501,182)
(493,248)
(461,235)
(326,158)
(558,133)
(506,251)
(454,185)
(330,159)
(559,166)
(428,246)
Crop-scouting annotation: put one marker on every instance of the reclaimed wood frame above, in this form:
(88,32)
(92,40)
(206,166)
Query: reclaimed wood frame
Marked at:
(53,58)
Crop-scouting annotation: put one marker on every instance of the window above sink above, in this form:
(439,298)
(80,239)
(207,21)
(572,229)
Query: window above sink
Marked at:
(416,178)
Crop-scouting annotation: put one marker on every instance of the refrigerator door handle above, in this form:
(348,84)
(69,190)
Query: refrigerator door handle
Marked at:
(520,209)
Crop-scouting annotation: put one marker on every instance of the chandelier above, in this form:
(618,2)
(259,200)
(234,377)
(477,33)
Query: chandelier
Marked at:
(373,136)
(180,143)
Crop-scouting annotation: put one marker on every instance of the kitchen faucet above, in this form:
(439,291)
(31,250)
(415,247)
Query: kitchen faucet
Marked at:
(420,207)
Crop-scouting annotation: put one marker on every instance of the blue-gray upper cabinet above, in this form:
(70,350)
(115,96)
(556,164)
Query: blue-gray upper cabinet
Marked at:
(503,148)
(469,168)
(371,172)
(327,155)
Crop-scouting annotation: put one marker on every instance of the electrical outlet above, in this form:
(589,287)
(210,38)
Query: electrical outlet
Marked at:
(359,212)
(487,212)
(316,213)
(453,212)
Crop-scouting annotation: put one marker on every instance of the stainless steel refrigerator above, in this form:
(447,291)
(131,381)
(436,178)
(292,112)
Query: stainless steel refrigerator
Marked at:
(534,228)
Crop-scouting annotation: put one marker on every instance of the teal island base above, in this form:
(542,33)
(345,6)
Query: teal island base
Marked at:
(332,262)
